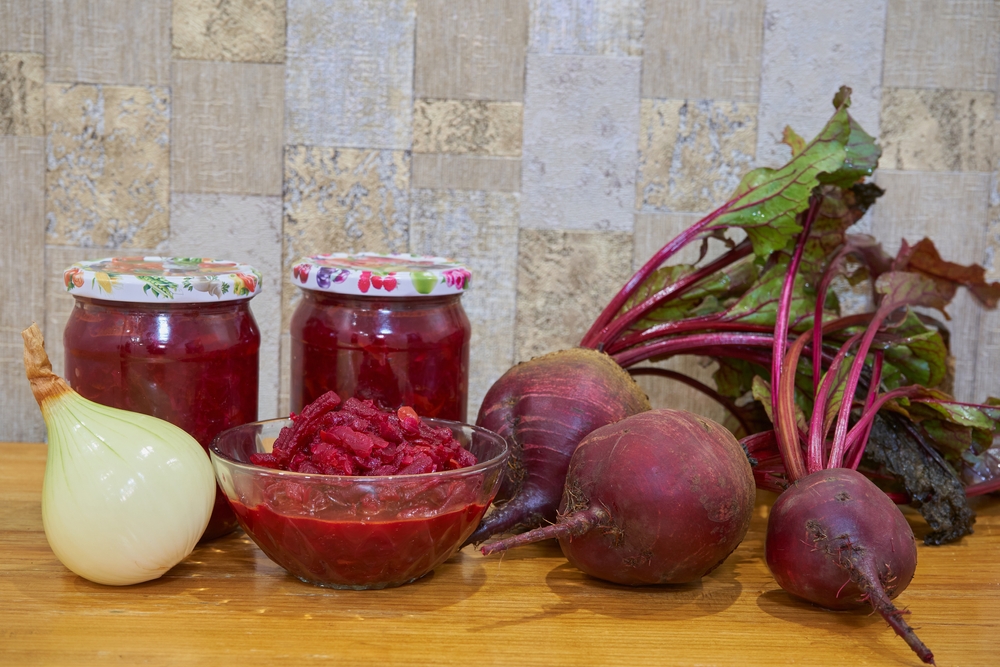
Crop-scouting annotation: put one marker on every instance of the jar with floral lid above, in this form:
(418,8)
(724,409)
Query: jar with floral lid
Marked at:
(171,337)
(389,328)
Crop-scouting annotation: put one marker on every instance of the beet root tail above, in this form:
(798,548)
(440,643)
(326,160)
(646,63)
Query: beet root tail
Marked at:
(570,525)
(894,617)
(522,512)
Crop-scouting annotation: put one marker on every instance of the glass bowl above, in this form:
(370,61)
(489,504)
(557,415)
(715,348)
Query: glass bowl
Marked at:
(357,532)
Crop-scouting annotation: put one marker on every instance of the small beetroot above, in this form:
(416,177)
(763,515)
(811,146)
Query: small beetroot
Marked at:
(662,497)
(543,408)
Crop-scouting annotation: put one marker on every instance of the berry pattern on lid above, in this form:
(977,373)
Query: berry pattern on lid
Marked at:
(162,279)
(373,274)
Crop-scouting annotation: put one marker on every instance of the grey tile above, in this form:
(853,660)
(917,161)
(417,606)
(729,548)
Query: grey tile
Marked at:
(796,89)
(581,131)
(349,73)
(480,230)
(244,229)
(120,42)
(586,27)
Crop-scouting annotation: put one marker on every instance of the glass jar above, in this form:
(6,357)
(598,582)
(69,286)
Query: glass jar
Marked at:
(390,328)
(169,337)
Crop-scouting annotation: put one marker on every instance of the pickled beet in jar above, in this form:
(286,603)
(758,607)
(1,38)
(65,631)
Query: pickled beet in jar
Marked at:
(169,337)
(388,328)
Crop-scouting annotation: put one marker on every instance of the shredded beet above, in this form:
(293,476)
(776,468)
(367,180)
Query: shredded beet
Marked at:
(358,438)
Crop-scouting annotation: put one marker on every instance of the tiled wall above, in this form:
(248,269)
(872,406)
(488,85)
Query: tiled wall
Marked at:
(552,145)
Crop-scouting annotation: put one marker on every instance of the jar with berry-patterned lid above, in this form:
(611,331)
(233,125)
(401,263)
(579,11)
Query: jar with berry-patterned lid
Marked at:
(389,328)
(171,337)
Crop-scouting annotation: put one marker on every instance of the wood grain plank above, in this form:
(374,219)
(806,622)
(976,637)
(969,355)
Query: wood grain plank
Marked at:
(22,255)
(466,172)
(702,49)
(951,209)
(227,128)
(125,42)
(471,51)
(22,26)
(942,44)
(227,603)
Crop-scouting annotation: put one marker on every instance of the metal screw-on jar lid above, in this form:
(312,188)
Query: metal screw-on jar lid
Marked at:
(372,274)
(162,279)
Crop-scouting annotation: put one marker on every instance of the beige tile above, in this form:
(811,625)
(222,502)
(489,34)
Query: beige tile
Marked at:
(942,44)
(22,26)
(467,127)
(22,94)
(692,154)
(705,50)
(798,78)
(472,50)
(247,229)
(349,73)
(988,358)
(480,230)
(951,209)
(564,280)
(581,131)
(124,42)
(285,373)
(227,128)
(107,180)
(466,172)
(22,210)
(342,200)
(586,27)
(669,393)
(937,130)
(233,30)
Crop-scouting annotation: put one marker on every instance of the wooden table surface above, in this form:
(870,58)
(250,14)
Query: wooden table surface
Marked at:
(227,604)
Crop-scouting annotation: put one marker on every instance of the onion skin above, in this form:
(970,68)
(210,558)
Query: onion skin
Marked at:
(125,496)
(544,407)
(678,492)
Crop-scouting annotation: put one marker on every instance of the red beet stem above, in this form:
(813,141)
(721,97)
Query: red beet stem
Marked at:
(611,332)
(590,339)
(570,525)
(783,411)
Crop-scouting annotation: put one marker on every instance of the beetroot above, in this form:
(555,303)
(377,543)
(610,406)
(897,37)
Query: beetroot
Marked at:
(543,408)
(662,497)
(818,531)
(833,537)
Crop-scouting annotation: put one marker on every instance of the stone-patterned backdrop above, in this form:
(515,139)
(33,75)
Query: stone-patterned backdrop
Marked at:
(550,144)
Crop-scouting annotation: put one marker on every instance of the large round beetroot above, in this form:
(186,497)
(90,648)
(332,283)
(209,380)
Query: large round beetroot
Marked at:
(823,535)
(662,497)
(544,407)
(836,540)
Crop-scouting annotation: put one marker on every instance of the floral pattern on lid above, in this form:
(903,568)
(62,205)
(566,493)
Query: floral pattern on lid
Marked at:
(162,279)
(373,274)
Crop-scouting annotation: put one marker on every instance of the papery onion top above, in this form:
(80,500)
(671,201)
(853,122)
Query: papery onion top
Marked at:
(162,279)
